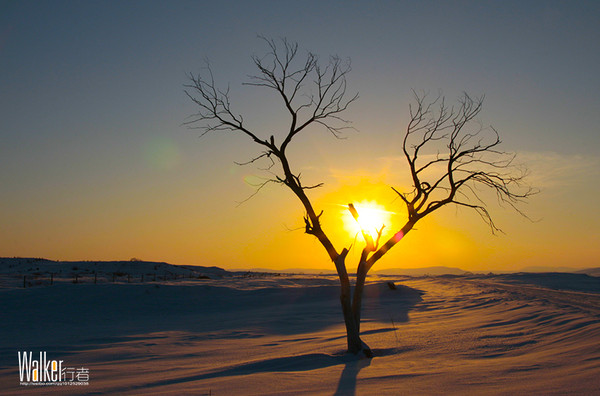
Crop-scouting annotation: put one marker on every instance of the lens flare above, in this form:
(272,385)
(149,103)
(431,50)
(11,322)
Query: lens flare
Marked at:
(367,217)
(162,153)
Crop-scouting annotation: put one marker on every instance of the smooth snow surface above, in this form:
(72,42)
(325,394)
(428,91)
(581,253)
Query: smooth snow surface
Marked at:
(510,334)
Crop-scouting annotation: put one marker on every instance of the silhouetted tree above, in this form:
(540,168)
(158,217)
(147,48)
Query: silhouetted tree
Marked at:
(464,160)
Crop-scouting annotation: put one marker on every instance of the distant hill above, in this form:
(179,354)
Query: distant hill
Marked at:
(393,271)
(312,271)
(569,270)
(24,266)
(590,271)
(317,271)
(541,268)
(438,270)
(555,280)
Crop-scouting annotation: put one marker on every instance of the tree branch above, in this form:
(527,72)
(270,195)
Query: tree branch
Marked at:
(470,159)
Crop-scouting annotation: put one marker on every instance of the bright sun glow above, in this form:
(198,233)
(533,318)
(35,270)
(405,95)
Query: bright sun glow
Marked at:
(371,217)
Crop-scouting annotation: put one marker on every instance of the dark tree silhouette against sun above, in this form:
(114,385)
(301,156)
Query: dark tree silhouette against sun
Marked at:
(452,159)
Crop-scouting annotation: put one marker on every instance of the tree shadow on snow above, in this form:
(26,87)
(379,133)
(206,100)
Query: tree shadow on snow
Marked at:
(347,383)
(299,363)
(308,313)
(104,315)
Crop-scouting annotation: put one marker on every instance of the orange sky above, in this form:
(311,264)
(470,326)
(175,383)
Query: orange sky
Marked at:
(96,165)
(200,222)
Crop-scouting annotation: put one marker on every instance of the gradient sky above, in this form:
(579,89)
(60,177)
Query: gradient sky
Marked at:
(96,165)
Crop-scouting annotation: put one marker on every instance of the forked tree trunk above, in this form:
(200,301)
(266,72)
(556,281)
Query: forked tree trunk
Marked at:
(352,303)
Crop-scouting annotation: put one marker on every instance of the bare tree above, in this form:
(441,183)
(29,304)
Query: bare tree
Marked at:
(466,165)
(315,95)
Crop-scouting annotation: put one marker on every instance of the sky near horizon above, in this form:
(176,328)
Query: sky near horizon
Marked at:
(95,163)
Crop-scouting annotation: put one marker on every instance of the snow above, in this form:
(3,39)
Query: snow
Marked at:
(268,334)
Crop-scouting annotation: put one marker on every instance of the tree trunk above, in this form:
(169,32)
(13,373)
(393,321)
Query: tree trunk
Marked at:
(361,275)
(355,344)
(352,330)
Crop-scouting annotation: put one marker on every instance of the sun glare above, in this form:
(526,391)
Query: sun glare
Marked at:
(371,217)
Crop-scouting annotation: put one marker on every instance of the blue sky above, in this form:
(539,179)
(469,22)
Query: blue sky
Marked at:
(95,162)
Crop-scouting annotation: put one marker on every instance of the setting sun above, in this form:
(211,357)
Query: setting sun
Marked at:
(371,217)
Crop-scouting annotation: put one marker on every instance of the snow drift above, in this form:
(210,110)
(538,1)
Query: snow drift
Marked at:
(236,334)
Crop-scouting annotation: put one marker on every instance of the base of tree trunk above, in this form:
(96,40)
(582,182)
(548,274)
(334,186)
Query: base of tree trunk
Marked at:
(362,351)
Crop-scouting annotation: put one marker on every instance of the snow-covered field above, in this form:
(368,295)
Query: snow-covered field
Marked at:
(181,333)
